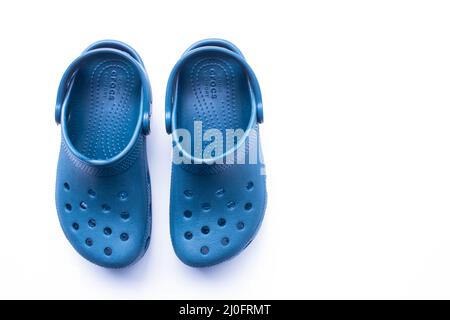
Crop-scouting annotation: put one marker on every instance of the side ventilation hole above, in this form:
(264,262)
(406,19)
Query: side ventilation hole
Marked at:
(225,241)
(92,223)
(123,195)
(106,208)
(205,229)
(206,206)
(92,193)
(231,205)
(187,214)
(125,216)
(188,194)
(204,250)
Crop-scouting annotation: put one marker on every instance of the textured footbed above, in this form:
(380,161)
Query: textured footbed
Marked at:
(103,108)
(212,90)
(106,215)
(214,214)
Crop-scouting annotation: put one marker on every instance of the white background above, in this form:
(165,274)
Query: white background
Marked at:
(356,141)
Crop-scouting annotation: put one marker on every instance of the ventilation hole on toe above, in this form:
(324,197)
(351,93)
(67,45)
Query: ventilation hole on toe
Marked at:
(180,139)
(205,229)
(125,216)
(123,195)
(124,236)
(188,193)
(248,206)
(220,192)
(204,250)
(221,222)
(147,242)
(188,213)
(231,204)
(250,185)
(106,208)
(180,154)
(107,231)
(92,193)
(240,225)
(83,205)
(108,251)
(89,242)
(188,235)
(92,223)
(75,226)
(225,241)
(206,206)
(66,186)
(68,207)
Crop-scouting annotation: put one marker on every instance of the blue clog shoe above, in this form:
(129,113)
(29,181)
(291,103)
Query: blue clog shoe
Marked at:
(103,184)
(218,188)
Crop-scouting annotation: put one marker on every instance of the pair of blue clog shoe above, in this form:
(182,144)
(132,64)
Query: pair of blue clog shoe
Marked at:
(218,189)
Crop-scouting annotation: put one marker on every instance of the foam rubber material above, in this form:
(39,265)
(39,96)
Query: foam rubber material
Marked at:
(103,183)
(216,208)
